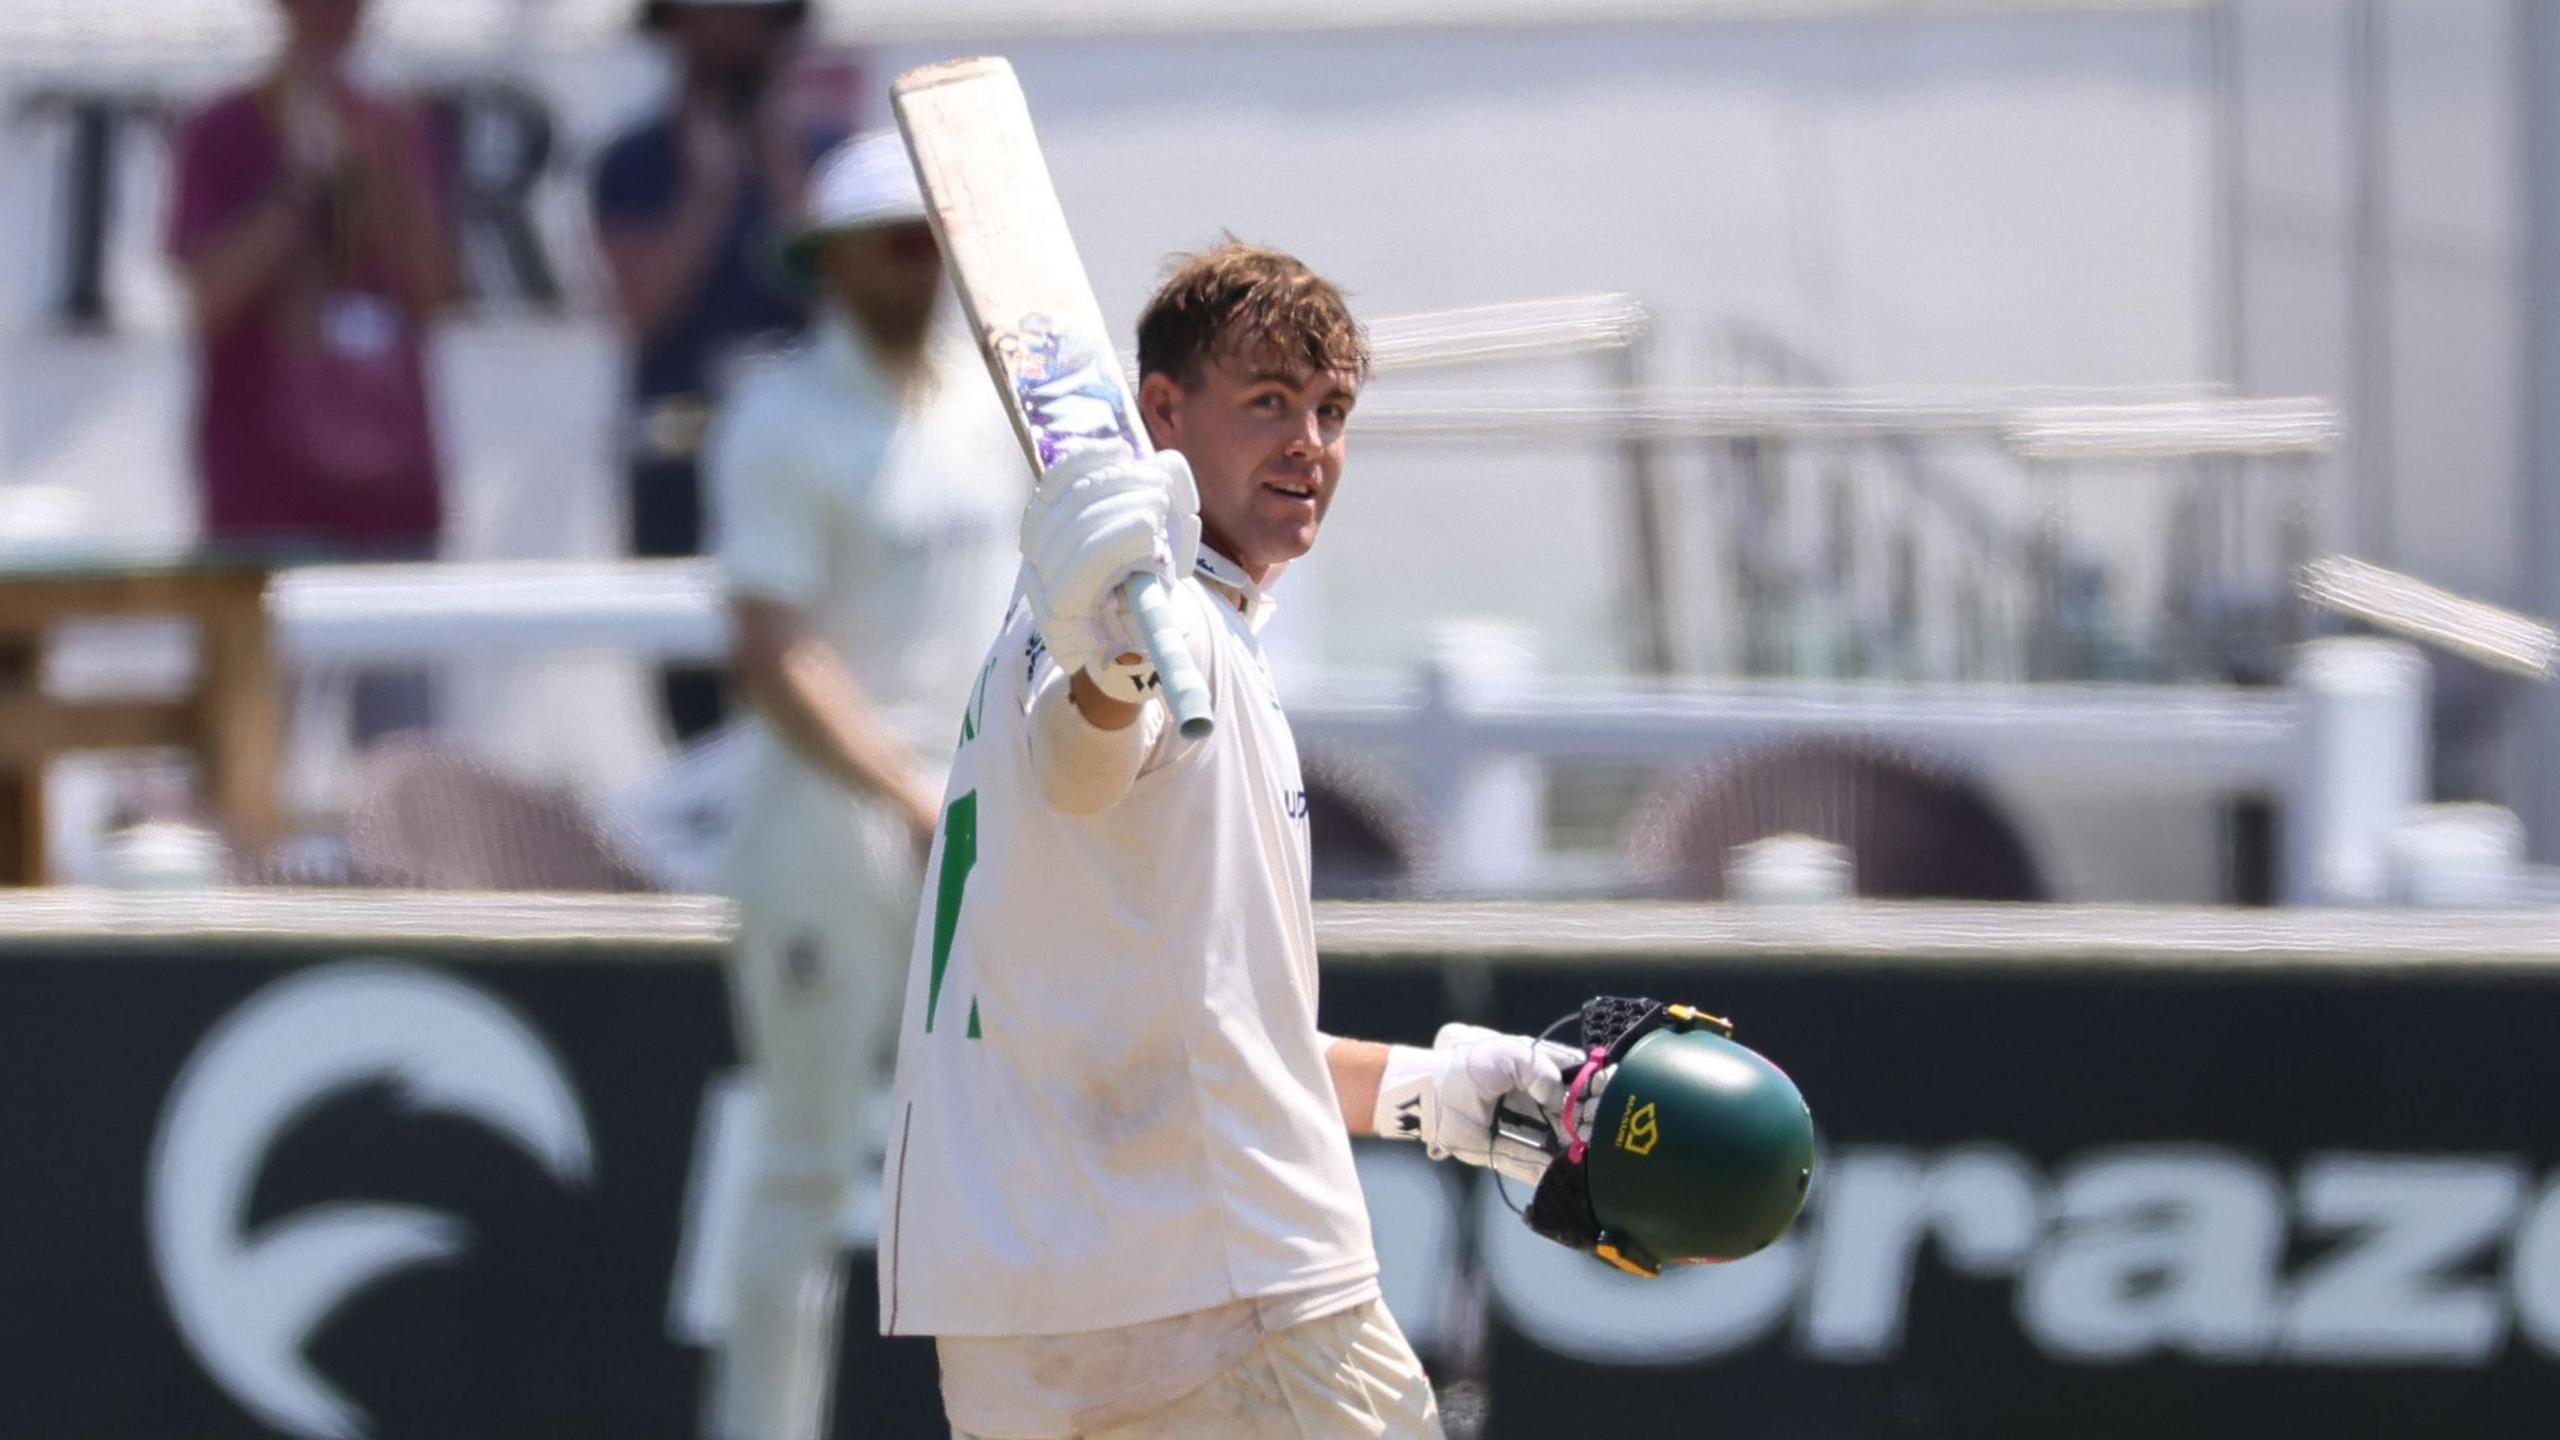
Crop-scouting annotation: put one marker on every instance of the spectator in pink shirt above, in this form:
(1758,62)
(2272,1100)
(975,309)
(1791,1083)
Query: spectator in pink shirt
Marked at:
(315,254)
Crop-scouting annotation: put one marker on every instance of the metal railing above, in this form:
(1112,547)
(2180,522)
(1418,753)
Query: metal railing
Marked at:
(2011,594)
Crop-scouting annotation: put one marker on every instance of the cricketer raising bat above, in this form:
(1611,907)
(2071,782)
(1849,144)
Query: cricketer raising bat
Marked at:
(1014,263)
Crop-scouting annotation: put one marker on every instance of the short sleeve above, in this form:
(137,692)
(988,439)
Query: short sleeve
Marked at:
(768,529)
(218,176)
(636,177)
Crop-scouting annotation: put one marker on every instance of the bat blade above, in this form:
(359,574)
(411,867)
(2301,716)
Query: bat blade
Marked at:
(1029,303)
(1013,258)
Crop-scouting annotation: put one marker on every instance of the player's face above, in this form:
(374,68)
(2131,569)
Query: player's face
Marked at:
(886,277)
(1265,444)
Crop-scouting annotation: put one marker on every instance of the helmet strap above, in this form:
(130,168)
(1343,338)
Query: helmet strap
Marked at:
(1593,1063)
(1627,1256)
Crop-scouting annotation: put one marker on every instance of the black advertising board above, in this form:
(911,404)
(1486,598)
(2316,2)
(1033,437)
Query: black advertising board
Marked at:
(360,1167)
(2079,1201)
(363,1195)
(445,1191)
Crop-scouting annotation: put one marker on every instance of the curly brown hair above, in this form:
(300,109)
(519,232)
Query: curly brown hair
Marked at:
(1246,302)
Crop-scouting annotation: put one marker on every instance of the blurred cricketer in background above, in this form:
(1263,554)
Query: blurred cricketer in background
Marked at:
(864,493)
(1120,1190)
(687,205)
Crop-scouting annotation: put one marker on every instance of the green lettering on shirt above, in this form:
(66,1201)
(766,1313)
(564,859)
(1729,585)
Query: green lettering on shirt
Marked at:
(959,856)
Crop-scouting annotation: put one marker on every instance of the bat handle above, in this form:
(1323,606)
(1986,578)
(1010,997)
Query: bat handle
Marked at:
(1161,634)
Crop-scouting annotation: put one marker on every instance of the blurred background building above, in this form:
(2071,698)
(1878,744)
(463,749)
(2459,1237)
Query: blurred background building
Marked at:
(1938,216)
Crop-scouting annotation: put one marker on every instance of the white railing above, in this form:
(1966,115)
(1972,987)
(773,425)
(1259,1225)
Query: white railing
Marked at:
(2033,424)
(666,609)
(2344,744)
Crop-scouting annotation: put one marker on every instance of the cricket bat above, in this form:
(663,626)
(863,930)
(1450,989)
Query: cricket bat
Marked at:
(1014,263)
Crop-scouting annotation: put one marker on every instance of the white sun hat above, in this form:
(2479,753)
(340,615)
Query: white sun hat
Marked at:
(863,182)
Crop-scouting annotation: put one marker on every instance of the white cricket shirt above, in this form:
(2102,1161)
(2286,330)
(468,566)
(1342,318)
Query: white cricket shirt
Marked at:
(888,519)
(1112,1105)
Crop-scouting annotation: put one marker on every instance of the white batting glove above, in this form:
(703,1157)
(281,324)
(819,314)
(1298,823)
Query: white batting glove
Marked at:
(1097,517)
(1446,1096)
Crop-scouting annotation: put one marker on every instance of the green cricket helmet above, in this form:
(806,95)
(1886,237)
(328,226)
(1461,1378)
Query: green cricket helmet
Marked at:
(1682,1147)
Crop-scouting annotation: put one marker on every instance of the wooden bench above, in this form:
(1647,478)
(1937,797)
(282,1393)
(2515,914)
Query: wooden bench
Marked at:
(231,718)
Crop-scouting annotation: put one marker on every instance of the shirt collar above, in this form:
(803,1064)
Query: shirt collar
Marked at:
(1229,576)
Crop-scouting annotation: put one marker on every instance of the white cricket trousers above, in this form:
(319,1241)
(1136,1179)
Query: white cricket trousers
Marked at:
(826,895)
(1345,1377)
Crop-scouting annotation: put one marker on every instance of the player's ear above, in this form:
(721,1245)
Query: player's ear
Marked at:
(1160,403)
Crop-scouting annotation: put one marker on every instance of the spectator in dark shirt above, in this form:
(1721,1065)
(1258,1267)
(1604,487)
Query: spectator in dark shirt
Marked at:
(306,223)
(687,206)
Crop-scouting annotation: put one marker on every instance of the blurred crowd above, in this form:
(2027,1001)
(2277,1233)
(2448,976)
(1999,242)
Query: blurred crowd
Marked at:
(313,219)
